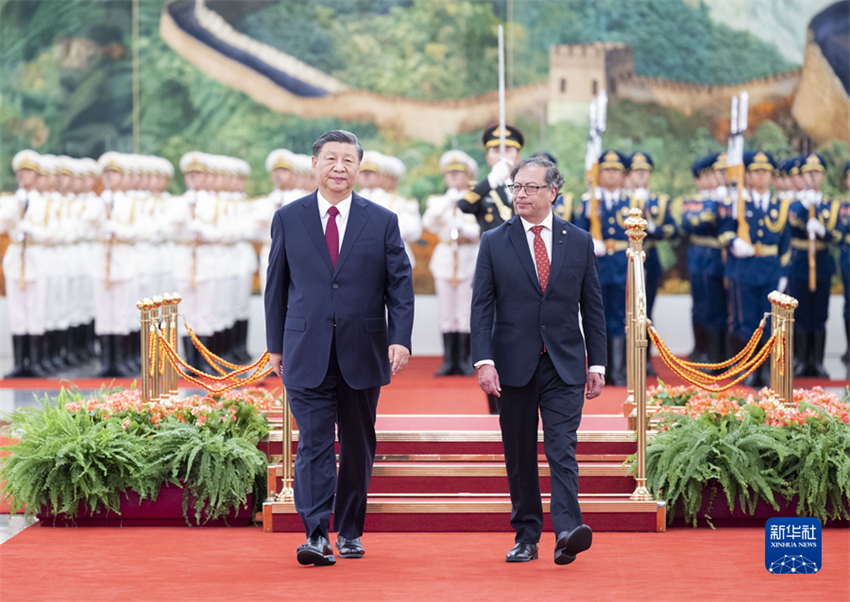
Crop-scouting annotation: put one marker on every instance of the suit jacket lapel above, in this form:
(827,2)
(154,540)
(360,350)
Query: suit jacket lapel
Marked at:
(357,217)
(313,226)
(559,250)
(520,243)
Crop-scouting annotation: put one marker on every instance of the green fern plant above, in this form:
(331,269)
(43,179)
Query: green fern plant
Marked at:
(65,462)
(750,461)
(216,469)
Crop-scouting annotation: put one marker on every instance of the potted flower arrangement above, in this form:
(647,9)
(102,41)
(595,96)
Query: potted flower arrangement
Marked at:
(757,452)
(98,458)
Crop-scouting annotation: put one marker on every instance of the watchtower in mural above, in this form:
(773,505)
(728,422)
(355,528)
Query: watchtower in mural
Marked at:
(577,72)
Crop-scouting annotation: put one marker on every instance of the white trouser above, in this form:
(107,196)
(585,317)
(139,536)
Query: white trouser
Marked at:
(453,304)
(115,310)
(246,289)
(26,306)
(197,305)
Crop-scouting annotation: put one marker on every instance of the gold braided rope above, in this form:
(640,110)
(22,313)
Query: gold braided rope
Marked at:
(742,355)
(700,379)
(208,355)
(225,377)
(183,369)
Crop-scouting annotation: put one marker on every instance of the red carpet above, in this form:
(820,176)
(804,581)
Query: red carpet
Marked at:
(91,564)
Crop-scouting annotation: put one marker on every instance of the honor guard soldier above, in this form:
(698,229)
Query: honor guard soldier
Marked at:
(760,266)
(490,201)
(113,218)
(22,219)
(701,224)
(814,228)
(379,184)
(844,260)
(409,220)
(660,225)
(279,165)
(238,342)
(613,210)
(194,224)
(453,260)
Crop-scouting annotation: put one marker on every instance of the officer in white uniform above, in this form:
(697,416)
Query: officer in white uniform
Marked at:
(23,216)
(113,217)
(453,261)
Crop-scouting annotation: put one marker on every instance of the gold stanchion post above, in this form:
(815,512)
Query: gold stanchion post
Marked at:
(782,358)
(636,327)
(165,327)
(777,319)
(144,306)
(155,388)
(173,382)
(287,491)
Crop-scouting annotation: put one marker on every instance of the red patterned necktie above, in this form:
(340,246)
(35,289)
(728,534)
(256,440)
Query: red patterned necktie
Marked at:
(332,235)
(541,258)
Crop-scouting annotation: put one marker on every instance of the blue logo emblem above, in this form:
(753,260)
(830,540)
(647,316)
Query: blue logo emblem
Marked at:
(792,546)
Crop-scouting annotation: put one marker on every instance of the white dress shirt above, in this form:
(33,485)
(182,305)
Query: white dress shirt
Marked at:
(762,201)
(344,207)
(546,235)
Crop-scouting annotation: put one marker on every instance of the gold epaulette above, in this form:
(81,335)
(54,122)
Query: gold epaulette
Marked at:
(471,197)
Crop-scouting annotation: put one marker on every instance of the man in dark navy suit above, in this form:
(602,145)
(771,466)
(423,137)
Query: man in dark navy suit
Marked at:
(337,267)
(536,274)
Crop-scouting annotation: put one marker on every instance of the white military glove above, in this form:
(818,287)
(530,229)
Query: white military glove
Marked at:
(783,284)
(25,227)
(500,173)
(108,227)
(742,249)
(650,226)
(813,226)
(599,247)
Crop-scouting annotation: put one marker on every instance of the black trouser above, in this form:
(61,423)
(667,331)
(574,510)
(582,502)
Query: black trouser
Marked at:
(560,408)
(316,411)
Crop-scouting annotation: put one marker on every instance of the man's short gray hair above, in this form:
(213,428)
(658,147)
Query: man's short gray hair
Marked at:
(554,179)
(337,136)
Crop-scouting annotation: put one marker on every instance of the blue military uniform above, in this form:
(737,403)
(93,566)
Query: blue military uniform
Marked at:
(751,279)
(844,260)
(613,266)
(491,206)
(701,224)
(813,310)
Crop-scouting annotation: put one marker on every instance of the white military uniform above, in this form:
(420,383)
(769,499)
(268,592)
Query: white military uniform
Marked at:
(24,217)
(114,262)
(453,260)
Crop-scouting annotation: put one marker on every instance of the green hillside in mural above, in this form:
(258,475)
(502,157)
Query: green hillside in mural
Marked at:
(65,77)
(441,50)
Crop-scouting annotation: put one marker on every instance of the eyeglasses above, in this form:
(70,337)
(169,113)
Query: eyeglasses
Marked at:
(529,188)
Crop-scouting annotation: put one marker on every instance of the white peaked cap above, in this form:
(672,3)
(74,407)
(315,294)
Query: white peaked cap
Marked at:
(26,159)
(457,160)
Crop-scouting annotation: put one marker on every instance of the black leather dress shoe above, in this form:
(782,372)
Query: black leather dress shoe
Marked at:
(522,552)
(349,548)
(571,543)
(317,551)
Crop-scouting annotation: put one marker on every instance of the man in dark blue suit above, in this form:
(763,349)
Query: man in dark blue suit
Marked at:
(536,274)
(337,267)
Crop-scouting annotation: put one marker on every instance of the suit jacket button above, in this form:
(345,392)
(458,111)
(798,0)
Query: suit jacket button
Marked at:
(330,320)
(543,327)
(336,286)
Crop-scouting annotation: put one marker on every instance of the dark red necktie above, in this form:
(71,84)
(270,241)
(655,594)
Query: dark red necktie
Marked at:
(332,235)
(541,257)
